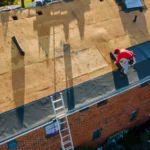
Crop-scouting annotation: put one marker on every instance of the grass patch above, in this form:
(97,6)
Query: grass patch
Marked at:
(26,2)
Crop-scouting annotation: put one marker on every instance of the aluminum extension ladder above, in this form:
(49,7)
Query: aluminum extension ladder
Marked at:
(60,113)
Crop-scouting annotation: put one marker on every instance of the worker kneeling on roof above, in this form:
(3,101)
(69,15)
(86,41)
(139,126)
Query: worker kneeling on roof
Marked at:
(127,56)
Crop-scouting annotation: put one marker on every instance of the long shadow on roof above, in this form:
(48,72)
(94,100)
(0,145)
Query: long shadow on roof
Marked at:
(120,80)
(55,15)
(135,28)
(69,76)
(18,81)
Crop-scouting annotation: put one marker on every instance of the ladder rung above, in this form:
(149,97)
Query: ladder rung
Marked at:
(61,116)
(59,108)
(66,142)
(64,129)
(65,136)
(68,148)
(57,100)
(63,122)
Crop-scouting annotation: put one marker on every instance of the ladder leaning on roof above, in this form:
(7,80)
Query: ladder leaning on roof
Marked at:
(65,134)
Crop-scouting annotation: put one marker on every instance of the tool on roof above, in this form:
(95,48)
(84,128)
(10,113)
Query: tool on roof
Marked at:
(60,113)
(135,18)
(18,46)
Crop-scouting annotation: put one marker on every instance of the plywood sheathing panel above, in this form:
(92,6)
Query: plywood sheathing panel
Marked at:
(91,28)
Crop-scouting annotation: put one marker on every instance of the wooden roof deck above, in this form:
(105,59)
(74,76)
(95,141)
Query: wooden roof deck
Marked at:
(89,30)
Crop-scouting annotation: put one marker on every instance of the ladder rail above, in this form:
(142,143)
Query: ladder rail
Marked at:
(69,132)
(67,119)
(53,104)
(60,133)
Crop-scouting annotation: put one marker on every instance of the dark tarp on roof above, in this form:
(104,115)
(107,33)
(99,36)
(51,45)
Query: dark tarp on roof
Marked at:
(29,116)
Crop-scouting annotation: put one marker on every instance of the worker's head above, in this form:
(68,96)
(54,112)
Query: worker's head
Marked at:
(116,51)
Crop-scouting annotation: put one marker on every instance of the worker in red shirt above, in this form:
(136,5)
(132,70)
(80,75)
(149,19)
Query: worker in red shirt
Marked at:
(127,57)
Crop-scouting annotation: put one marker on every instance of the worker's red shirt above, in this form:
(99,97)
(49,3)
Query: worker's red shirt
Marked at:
(124,54)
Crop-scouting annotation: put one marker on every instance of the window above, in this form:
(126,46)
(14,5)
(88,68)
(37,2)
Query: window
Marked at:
(52,129)
(133,115)
(102,103)
(96,134)
(144,84)
(12,144)
(84,109)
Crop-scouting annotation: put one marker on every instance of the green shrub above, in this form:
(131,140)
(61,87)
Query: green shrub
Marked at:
(7,2)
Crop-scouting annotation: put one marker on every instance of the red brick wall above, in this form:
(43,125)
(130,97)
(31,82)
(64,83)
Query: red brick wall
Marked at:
(111,117)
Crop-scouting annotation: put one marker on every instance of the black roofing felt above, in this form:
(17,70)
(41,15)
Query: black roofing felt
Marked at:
(29,116)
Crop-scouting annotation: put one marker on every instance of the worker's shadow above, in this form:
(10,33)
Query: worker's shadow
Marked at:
(120,79)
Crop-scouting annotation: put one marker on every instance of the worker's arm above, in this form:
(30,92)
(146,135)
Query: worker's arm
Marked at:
(118,60)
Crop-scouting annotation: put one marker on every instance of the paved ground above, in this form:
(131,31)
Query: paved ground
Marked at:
(67,45)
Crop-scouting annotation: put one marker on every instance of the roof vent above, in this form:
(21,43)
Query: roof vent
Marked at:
(101,103)
(15,17)
(39,13)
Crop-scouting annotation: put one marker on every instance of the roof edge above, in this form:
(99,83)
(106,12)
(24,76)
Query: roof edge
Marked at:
(70,112)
